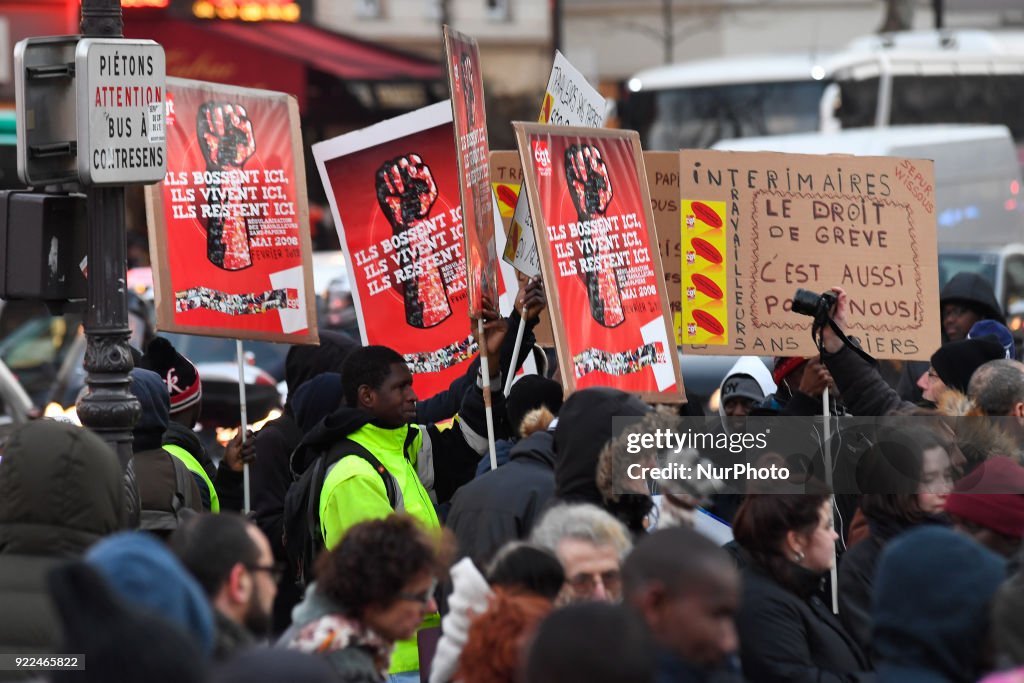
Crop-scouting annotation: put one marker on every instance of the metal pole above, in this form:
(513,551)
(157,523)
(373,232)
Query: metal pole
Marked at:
(827,434)
(937,5)
(244,409)
(444,19)
(556,25)
(669,36)
(485,370)
(107,406)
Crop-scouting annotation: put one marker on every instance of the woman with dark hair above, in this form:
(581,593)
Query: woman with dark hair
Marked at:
(905,478)
(521,568)
(517,570)
(786,632)
(372,590)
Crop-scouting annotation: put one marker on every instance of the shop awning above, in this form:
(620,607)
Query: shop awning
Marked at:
(343,56)
(276,56)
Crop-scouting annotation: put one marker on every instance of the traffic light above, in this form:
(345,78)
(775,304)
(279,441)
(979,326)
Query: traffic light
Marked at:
(42,247)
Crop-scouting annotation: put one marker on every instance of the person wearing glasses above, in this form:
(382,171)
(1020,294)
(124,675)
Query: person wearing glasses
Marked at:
(232,561)
(591,545)
(372,590)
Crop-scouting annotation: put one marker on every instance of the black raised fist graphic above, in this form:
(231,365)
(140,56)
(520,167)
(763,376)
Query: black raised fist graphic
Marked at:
(406,192)
(590,188)
(227,141)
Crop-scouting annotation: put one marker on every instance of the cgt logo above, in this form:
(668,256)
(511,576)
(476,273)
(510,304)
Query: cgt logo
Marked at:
(169,111)
(542,158)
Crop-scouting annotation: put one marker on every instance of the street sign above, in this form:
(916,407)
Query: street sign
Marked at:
(44,96)
(121,86)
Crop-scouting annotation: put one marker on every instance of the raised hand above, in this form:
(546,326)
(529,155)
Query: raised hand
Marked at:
(406,192)
(590,188)
(589,184)
(532,299)
(225,135)
(816,378)
(227,141)
(495,329)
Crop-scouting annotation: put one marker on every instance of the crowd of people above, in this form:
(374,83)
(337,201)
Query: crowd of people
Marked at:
(382,546)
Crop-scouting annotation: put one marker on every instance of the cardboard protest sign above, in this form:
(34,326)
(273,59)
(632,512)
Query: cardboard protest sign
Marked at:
(597,242)
(663,179)
(568,101)
(757,226)
(507,174)
(466,82)
(229,224)
(393,191)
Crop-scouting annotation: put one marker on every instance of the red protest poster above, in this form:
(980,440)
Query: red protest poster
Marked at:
(599,256)
(467,88)
(229,224)
(394,192)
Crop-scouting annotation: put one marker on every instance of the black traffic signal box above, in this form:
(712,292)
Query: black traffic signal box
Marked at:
(43,244)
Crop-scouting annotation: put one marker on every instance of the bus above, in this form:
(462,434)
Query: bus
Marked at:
(913,77)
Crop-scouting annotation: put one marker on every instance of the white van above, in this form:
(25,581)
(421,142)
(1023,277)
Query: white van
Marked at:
(979,205)
(903,78)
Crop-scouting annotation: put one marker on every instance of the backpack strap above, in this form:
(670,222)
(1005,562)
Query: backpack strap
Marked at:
(183,487)
(410,437)
(349,447)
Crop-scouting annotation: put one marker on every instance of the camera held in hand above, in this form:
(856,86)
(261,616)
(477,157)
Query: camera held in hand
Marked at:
(817,306)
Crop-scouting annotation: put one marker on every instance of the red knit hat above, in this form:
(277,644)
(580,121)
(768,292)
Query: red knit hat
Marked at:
(784,366)
(992,496)
(178,373)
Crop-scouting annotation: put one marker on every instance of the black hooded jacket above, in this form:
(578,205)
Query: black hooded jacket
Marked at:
(975,292)
(503,505)
(155,469)
(584,427)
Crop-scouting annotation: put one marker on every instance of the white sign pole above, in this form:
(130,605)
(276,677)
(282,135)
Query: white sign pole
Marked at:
(520,332)
(240,352)
(827,433)
(485,370)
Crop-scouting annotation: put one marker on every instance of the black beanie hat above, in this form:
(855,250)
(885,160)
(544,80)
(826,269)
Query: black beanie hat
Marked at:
(529,393)
(956,361)
(176,371)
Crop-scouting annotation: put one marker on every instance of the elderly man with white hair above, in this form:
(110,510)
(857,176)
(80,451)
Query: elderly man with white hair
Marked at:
(591,545)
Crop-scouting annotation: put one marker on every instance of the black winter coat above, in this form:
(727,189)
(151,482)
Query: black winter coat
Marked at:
(788,639)
(59,494)
(862,387)
(857,577)
(503,505)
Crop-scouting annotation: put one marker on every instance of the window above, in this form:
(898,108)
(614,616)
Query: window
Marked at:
(369,9)
(697,117)
(498,10)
